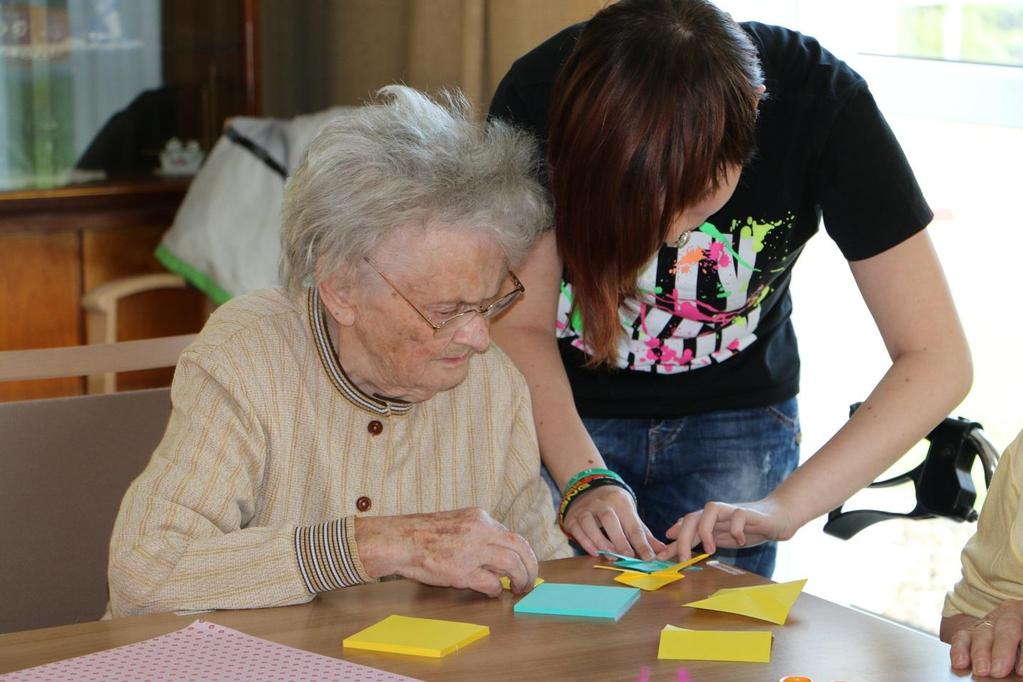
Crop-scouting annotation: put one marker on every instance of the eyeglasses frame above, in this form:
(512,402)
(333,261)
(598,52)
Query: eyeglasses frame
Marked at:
(486,312)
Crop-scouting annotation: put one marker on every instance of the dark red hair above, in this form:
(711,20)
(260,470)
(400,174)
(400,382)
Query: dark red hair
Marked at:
(656,101)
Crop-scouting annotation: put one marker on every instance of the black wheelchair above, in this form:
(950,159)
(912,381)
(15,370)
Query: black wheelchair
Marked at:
(943,481)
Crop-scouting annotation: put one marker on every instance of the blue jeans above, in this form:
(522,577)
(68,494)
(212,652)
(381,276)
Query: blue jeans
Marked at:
(675,466)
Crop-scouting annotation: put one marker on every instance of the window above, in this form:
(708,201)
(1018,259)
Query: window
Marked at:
(948,77)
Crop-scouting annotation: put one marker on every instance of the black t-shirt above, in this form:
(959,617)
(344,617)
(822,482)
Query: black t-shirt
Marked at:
(711,328)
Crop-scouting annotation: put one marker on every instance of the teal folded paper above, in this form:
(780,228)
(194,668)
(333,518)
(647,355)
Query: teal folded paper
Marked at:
(633,564)
(644,566)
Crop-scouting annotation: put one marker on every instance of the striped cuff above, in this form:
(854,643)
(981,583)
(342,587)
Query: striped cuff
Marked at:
(328,557)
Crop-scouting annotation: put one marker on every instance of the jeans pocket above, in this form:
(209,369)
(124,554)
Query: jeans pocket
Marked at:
(786,413)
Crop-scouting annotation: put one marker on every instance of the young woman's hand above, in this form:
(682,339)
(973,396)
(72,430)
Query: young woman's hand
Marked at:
(720,524)
(605,518)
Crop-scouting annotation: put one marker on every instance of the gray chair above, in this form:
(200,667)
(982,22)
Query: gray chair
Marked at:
(65,464)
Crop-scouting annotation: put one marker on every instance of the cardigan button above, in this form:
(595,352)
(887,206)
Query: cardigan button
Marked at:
(363,504)
(375,428)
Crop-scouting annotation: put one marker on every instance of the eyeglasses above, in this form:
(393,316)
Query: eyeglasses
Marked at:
(457,321)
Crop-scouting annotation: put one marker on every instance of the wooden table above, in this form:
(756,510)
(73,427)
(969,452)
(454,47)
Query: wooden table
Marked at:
(821,640)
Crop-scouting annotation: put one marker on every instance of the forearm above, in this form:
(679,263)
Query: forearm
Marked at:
(383,543)
(525,501)
(565,446)
(917,392)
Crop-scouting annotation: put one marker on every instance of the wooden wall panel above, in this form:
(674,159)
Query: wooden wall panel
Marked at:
(39,289)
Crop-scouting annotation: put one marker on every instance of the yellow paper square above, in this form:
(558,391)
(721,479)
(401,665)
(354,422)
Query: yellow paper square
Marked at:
(752,646)
(766,602)
(648,582)
(416,636)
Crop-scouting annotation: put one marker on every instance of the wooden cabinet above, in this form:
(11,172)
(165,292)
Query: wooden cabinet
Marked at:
(39,289)
(92,93)
(55,245)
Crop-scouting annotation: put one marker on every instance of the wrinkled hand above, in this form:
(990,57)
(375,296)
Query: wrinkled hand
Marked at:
(720,524)
(605,518)
(464,548)
(989,645)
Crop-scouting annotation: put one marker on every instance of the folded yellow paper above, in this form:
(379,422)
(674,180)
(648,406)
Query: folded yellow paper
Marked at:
(682,564)
(416,636)
(766,602)
(752,646)
(646,582)
(506,582)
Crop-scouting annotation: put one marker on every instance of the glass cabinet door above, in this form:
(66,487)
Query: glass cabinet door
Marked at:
(114,90)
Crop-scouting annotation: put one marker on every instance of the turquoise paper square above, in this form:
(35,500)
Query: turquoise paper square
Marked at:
(587,601)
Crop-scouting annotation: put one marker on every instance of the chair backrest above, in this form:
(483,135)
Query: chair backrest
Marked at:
(100,307)
(66,361)
(66,463)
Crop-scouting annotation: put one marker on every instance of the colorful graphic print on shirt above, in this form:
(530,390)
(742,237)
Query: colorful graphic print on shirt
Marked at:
(697,305)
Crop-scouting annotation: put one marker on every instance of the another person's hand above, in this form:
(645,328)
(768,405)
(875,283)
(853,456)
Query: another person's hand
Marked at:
(720,524)
(464,548)
(988,645)
(605,518)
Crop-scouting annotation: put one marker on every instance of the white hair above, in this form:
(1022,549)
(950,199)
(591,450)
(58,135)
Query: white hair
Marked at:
(408,159)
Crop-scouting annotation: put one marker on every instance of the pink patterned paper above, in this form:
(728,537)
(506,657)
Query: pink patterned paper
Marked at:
(204,651)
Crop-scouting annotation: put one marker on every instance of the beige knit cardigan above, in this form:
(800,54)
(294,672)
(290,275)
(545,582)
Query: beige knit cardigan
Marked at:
(271,453)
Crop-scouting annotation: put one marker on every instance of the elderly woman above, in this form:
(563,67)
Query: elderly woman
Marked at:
(357,423)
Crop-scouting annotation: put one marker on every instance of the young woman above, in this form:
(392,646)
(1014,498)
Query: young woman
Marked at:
(690,159)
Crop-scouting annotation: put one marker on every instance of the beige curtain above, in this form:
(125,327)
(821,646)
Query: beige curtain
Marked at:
(320,53)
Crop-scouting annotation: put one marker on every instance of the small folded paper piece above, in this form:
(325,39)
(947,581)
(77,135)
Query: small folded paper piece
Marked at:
(646,582)
(633,564)
(766,602)
(615,555)
(611,567)
(416,636)
(675,568)
(506,582)
(587,601)
(625,563)
(752,646)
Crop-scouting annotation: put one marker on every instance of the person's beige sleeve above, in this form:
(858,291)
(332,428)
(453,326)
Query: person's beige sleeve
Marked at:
(993,558)
(182,539)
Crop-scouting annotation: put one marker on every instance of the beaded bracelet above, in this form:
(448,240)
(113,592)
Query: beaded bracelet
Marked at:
(588,472)
(580,481)
(588,484)
(591,478)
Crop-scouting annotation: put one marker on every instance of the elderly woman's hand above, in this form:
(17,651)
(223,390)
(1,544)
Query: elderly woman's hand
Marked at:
(605,518)
(988,645)
(460,548)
